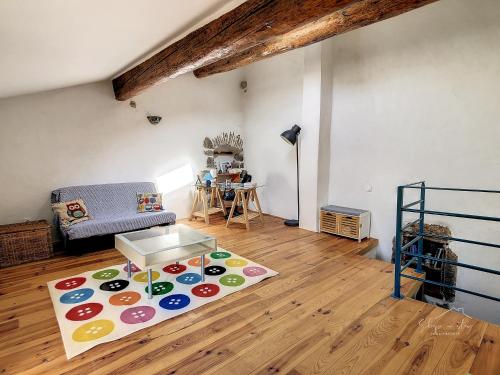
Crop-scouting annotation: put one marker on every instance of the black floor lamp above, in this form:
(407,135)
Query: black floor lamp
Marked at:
(291,137)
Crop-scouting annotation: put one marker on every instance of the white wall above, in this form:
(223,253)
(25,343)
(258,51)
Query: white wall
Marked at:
(315,135)
(416,97)
(272,104)
(293,88)
(324,144)
(311,115)
(82,135)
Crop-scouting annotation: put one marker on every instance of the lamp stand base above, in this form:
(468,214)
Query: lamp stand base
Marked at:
(292,223)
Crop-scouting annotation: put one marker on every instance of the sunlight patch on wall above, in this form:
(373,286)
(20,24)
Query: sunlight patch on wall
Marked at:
(175,179)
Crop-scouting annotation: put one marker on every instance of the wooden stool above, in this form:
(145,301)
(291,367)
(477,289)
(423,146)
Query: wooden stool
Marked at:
(207,209)
(245,196)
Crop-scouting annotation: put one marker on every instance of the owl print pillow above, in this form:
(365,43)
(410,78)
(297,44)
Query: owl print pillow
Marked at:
(71,212)
(149,202)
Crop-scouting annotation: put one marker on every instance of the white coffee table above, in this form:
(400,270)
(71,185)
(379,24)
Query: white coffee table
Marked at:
(148,247)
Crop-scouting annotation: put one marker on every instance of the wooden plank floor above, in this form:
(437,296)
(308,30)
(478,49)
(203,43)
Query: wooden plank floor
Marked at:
(328,312)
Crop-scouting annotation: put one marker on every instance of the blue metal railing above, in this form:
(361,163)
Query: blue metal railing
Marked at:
(418,257)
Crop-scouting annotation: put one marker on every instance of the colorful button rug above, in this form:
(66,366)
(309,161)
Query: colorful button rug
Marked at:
(104,305)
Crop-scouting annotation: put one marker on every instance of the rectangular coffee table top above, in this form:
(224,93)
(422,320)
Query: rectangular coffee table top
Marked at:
(163,244)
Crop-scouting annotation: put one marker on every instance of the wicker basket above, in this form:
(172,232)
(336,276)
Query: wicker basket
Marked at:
(24,242)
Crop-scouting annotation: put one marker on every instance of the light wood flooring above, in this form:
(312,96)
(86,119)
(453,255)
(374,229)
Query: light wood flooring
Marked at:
(328,312)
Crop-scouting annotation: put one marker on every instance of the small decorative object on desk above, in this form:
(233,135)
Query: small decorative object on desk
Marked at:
(24,242)
(345,221)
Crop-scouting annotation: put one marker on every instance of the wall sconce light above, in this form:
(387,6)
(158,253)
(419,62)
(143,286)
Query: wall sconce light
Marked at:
(154,120)
(244,86)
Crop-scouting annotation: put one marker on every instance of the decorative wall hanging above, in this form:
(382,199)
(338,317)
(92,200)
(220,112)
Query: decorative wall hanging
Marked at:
(223,149)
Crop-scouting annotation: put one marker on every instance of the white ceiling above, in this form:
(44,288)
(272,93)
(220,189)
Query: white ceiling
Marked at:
(48,44)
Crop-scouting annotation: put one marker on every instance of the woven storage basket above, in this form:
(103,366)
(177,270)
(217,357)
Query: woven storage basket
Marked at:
(24,242)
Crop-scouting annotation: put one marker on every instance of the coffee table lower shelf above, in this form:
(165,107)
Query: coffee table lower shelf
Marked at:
(150,273)
(159,245)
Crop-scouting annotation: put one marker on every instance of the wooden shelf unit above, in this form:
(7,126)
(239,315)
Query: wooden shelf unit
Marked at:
(346,222)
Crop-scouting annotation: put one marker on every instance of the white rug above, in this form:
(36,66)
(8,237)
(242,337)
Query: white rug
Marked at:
(100,306)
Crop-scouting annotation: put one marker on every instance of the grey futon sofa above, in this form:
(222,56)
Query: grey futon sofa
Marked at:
(112,208)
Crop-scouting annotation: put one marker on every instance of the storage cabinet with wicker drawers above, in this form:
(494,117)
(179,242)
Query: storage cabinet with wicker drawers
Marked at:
(24,242)
(346,222)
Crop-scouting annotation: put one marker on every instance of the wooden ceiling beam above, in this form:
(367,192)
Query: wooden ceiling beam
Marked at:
(246,26)
(360,13)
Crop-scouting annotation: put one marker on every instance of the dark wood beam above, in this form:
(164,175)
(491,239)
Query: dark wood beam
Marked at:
(360,13)
(246,26)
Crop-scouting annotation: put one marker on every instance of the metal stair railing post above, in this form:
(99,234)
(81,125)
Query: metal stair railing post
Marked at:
(397,257)
(401,250)
(421,229)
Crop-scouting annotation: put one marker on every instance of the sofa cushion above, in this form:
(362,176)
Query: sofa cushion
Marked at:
(149,202)
(117,224)
(71,212)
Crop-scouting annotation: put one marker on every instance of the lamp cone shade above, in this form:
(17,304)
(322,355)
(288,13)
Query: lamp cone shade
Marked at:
(290,136)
